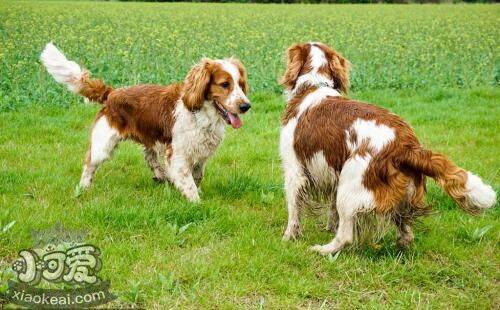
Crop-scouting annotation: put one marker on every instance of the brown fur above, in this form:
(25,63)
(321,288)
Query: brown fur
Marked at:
(337,69)
(94,90)
(323,128)
(143,113)
(297,56)
(196,84)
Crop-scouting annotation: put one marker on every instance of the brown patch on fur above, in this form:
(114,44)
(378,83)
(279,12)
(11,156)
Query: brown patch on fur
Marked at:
(337,69)
(391,171)
(196,83)
(323,128)
(169,152)
(94,90)
(144,113)
(297,56)
(451,178)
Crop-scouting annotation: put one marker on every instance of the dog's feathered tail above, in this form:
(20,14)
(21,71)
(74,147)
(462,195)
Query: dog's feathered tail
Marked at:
(467,189)
(69,73)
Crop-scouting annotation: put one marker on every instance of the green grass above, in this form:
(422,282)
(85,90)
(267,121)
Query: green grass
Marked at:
(231,254)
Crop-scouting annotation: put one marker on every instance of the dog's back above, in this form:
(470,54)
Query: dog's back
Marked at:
(143,113)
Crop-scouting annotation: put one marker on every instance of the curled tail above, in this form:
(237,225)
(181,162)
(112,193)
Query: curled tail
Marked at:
(467,189)
(69,73)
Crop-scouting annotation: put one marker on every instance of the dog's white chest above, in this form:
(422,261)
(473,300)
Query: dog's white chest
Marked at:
(197,135)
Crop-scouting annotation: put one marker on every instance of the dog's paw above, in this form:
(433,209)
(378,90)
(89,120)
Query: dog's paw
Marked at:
(321,249)
(84,185)
(290,236)
(404,244)
(194,198)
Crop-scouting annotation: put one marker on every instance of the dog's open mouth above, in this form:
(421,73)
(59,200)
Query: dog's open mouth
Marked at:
(230,118)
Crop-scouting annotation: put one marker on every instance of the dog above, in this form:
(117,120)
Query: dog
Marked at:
(365,159)
(183,122)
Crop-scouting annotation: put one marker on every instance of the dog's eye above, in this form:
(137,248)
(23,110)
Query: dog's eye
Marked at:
(225,85)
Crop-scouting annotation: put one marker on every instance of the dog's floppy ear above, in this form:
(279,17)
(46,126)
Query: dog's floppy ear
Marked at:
(294,62)
(339,66)
(196,83)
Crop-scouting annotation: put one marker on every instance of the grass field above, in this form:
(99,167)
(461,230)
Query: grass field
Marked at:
(437,66)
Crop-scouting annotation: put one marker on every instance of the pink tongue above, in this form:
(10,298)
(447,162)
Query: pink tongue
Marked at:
(235,120)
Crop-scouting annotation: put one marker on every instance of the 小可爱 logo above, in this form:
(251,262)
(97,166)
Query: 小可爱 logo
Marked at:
(58,275)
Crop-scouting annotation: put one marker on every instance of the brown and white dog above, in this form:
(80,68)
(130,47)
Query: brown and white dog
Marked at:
(364,158)
(183,122)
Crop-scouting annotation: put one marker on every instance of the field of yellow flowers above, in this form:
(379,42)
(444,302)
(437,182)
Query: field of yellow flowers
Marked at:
(436,65)
(396,47)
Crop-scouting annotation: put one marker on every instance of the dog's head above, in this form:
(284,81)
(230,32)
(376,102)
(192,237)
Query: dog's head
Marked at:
(221,83)
(311,64)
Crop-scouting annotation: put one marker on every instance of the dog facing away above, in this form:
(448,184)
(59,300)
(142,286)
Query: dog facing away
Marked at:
(183,123)
(365,159)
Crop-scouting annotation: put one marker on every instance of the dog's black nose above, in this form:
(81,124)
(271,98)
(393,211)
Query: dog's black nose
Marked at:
(245,107)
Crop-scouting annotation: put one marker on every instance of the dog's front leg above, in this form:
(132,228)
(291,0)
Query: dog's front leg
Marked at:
(294,185)
(180,173)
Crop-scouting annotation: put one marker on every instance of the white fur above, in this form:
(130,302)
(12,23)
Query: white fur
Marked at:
(195,137)
(294,178)
(104,137)
(479,194)
(352,198)
(63,70)
(294,175)
(351,193)
(313,78)
(377,135)
(103,140)
(322,174)
(315,98)
(318,58)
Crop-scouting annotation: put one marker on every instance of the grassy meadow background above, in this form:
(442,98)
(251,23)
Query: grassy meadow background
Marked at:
(436,65)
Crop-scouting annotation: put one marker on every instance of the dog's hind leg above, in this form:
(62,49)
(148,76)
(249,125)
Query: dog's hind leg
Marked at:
(333,218)
(103,141)
(412,207)
(151,157)
(352,198)
(404,235)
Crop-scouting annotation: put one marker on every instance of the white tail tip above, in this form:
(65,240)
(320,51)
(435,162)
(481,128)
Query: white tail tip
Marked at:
(63,70)
(479,194)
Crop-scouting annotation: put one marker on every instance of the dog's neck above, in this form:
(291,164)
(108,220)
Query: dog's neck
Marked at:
(208,118)
(306,86)
(307,81)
